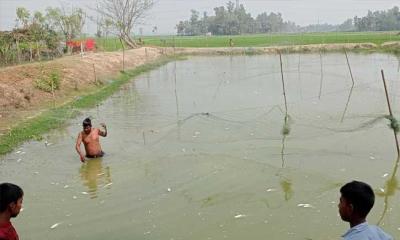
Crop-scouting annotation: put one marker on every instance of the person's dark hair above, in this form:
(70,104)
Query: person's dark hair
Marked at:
(360,195)
(9,193)
(87,122)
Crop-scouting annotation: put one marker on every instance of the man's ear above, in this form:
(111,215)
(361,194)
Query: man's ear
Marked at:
(351,207)
(12,206)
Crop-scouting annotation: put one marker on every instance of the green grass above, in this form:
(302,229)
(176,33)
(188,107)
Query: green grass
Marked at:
(32,129)
(258,40)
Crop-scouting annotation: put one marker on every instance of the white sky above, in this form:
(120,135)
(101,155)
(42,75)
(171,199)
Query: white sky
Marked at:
(166,13)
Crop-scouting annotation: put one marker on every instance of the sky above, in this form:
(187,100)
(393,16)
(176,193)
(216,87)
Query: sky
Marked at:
(167,13)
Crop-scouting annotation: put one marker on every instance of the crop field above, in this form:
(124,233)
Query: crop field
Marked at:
(256,40)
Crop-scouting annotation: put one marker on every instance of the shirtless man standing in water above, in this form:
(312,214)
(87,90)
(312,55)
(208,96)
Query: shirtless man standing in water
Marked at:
(90,138)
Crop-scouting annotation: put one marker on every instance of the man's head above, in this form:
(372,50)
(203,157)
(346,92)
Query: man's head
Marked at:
(357,199)
(10,199)
(87,125)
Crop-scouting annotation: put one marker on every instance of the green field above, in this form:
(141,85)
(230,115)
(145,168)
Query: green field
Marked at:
(258,40)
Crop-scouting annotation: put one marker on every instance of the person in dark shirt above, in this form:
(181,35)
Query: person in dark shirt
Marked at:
(11,197)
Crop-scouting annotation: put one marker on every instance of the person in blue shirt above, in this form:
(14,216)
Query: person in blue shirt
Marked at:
(356,201)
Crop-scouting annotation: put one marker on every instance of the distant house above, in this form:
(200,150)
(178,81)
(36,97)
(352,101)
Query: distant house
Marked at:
(209,34)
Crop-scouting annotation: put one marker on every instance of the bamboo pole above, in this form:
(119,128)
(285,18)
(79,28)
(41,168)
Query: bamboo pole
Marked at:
(322,76)
(348,64)
(299,77)
(176,93)
(283,85)
(390,111)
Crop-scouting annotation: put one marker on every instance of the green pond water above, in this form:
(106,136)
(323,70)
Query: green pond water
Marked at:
(195,151)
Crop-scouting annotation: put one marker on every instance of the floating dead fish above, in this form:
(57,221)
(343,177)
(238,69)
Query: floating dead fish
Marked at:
(240,216)
(85,193)
(107,185)
(372,157)
(305,205)
(66,186)
(55,225)
(271,190)
(18,152)
(169,190)
(385,175)
(19,160)
(100,174)
(382,190)
(74,197)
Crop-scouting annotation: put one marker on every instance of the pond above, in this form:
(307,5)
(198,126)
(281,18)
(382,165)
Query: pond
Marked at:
(196,150)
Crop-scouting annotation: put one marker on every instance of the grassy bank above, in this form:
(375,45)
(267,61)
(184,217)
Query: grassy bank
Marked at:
(258,40)
(32,129)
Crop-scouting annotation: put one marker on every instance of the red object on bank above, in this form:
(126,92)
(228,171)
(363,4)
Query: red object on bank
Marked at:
(88,44)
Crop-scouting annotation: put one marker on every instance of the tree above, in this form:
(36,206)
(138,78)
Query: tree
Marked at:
(124,15)
(69,23)
(23,16)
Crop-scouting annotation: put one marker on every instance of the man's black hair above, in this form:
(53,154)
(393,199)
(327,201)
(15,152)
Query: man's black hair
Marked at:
(360,195)
(87,122)
(9,193)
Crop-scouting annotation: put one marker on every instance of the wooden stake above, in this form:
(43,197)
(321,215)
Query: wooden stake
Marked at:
(390,111)
(94,74)
(348,64)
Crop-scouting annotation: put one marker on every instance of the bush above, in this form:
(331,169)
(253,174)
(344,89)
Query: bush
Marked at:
(49,83)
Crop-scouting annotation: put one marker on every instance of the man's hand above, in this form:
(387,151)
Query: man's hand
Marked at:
(82,158)
(104,134)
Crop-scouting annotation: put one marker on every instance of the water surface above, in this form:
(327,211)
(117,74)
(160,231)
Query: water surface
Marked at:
(195,151)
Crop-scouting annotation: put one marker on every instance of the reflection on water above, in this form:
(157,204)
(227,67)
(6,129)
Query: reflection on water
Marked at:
(286,186)
(391,186)
(94,175)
